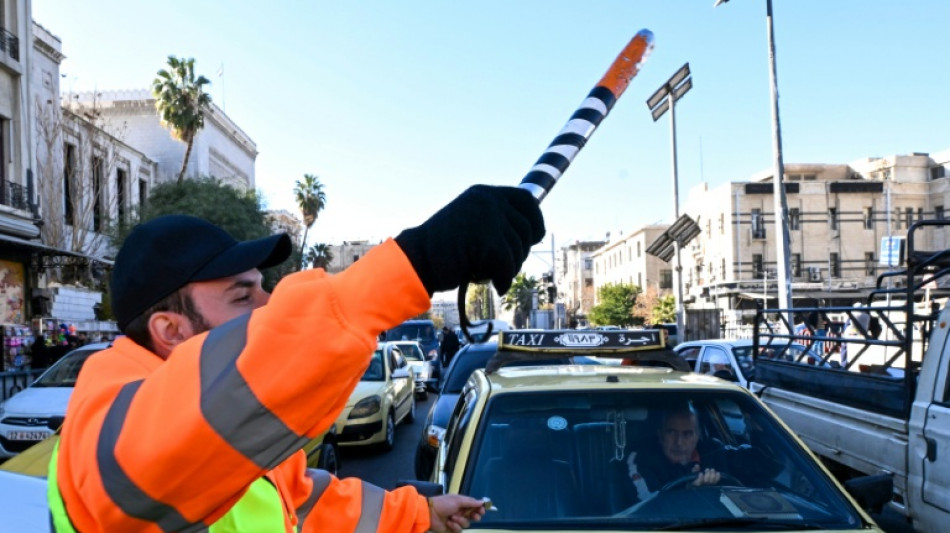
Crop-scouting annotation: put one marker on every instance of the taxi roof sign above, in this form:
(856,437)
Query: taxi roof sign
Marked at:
(590,342)
(645,347)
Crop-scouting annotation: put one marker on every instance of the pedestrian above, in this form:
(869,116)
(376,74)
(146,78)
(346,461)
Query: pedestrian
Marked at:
(39,353)
(195,418)
(449,346)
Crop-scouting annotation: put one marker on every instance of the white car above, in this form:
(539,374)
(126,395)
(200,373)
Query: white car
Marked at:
(25,416)
(418,364)
(702,356)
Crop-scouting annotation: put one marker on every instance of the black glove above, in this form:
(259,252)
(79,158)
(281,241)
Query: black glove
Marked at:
(484,234)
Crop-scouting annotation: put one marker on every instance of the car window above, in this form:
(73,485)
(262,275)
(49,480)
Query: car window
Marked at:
(412,352)
(375,370)
(64,372)
(744,358)
(690,353)
(461,417)
(581,459)
(422,332)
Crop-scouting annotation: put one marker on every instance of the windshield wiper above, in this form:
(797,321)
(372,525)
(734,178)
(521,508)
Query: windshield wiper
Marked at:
(732,521)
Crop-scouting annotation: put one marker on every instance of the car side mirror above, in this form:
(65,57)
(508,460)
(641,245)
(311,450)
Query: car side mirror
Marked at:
(871,492)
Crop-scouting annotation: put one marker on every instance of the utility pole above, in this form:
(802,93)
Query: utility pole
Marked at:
(662,100)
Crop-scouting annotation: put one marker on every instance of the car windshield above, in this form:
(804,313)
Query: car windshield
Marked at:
(375,371)
(412,332)
(412,352)
(624,460)
(65,371)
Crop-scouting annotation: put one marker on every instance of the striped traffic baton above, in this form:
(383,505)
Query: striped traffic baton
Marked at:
(573,136)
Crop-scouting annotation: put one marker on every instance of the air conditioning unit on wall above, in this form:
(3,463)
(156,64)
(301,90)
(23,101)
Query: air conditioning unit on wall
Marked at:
(814,274)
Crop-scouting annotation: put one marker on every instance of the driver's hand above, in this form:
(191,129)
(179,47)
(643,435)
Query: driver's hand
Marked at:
(708,476)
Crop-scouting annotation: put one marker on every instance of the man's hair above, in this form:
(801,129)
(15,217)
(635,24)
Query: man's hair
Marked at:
(682,410)
(180,302)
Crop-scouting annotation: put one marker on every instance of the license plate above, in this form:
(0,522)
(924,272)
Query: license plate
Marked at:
(27,435)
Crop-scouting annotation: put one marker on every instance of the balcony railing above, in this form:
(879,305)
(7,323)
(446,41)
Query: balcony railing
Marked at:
(14,195)
(10,44)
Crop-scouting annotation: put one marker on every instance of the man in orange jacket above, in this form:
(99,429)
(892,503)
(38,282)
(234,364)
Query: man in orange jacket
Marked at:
(195,419)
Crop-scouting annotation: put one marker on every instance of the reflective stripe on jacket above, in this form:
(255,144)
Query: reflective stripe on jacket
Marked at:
(169,445)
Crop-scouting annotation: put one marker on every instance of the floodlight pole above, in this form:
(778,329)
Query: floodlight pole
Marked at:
(782,245)
(662,99)
(680,322)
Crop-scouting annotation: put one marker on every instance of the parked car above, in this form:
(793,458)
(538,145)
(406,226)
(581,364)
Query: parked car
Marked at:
(383,398)
(555,448)
(420,330)
(419,364)
(738,353)
(25,417)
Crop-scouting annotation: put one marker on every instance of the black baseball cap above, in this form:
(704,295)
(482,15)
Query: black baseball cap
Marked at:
(166,253)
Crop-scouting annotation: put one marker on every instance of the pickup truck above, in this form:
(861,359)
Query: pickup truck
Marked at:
(884,406)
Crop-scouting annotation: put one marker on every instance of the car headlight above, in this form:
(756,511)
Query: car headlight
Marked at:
(365,407)
(434,436)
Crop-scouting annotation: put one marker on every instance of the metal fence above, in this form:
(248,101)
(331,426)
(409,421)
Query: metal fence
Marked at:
(13,382)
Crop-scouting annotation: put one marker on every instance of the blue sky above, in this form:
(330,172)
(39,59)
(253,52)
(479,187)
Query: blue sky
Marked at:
(398,106)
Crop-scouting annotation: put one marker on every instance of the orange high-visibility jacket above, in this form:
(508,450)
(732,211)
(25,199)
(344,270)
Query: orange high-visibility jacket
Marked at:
(153,445)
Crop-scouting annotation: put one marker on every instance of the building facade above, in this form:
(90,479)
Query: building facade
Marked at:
(574,277)
(624,260)
(221,149)
(838,215)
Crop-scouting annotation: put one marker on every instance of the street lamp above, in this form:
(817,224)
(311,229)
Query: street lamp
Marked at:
(781,206)
(665,98)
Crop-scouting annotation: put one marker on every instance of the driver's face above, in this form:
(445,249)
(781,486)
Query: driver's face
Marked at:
(678,438)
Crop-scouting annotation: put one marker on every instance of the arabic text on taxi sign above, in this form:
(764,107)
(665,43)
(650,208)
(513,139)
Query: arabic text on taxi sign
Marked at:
(574,340)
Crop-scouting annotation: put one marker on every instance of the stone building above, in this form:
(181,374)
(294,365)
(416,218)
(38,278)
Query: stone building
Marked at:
(347,253)
(624,260)
(574,277)
(837,217)
(221,149)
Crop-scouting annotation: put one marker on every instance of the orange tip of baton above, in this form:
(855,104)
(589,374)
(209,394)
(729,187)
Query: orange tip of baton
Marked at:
(627,64)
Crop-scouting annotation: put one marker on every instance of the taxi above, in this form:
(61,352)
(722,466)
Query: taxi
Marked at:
(620,447)
(383,398)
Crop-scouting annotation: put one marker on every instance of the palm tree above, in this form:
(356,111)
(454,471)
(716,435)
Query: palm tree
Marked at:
(311,199)
(319,255)
(181,102)
(519,297)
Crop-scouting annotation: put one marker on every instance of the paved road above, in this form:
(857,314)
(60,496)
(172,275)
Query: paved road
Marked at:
(386,468)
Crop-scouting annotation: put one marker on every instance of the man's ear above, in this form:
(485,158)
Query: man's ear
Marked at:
(167,330)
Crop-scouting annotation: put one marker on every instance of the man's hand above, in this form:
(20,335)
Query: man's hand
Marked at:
(708,476)
(486,233)
(453,512)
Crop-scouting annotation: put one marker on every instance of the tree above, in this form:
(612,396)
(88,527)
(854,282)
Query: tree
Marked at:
(238,212)
(481,301)
(319,255)
(664,312)
(617,301)
(76,158)
(181,102)
(520,297)
(311,199)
